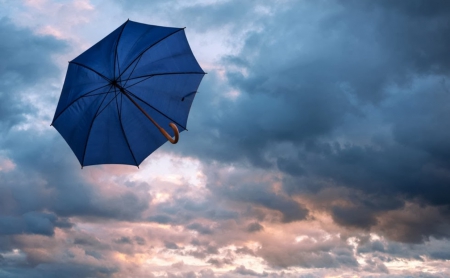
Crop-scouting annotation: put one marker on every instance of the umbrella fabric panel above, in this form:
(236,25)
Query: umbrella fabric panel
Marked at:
(171,55)
(79,82)
(107,142)
(74,123)
(101,56)
(143,136)
(137,38)
(172,95)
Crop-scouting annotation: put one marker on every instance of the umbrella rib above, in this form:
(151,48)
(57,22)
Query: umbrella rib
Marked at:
(139,81)
(80,97)
(119,112)
(92,123)
(106,106)
(154,108)
(96,94)
(145,50)
(126,81)
(89,68)
(158,74)
(188,95)
(117,44)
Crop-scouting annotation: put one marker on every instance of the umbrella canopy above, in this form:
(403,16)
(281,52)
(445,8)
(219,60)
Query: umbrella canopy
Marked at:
(120,93)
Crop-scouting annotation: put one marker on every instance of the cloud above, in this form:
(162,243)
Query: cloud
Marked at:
(22,66)
(41,191)
(335,98)
(32,223)
(248,272)
(320,135)
(199,228)
(171,245)
(254,227)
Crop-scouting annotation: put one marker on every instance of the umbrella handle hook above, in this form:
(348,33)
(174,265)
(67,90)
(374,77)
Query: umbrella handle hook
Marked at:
(167,135)
(172,125)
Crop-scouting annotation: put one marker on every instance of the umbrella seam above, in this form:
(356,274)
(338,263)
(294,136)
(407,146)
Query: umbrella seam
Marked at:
(135,65)
(188,94)
(117,45)
(106,106)
(90,128)
(119,113)
(142,53)
(159,74)
(56,117)
(89,68)
(151,106)
(97,94)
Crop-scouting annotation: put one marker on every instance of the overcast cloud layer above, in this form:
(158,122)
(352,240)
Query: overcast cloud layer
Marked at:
(318,145)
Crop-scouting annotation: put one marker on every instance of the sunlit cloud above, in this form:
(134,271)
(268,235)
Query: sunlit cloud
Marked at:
(317,145)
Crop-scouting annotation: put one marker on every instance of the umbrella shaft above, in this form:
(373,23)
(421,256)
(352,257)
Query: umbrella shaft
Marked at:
(140,108)
(172,125)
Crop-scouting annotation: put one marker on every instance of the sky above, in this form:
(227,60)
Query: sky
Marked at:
(318,145)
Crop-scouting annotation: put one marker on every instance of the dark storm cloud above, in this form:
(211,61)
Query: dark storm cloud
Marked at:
(88,240)
(220,262)
(202,250)
(254,227)
(31,223)
(202,229)
(162,219)
(249,199)
(354,96)
(441,255)
(343,94)
(415,223)
(321,256)
(183,210)
(222,14)
(44,180)
(171,245)
(55,270)
(373,74)
(359,217)
(381,251)
(248,272)
(302,84)
(128,240)
(70,193)
(201,16)
(242,187)
(291,210)
(40,188)
(25,61)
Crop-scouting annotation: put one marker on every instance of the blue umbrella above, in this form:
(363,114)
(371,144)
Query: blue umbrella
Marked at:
(120,93)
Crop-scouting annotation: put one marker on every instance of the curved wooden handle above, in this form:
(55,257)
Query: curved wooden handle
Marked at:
(167,135)
(172,125)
